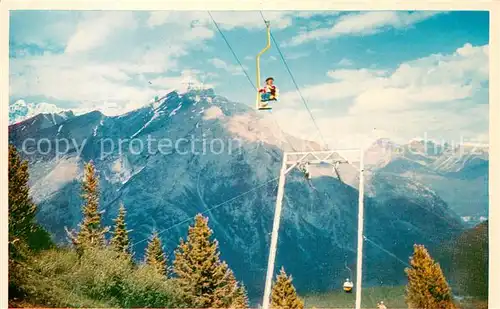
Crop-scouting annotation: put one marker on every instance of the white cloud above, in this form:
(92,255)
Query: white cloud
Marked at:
(348,83)
(95,29)
(21,110)
(429,81)
(94,85)
(353,131)
(182,82)
(296,55)
(265,59)
(112,80)
(439,94)
(360,75)
(225,20)
(344,62)
(425,81)
(53,28)
(232,19)
(230,68)
(309,14)
(161,59)
(363,24)
(391,98)
(158,18)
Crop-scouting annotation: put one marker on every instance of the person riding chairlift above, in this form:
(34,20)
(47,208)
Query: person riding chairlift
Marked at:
(269,92)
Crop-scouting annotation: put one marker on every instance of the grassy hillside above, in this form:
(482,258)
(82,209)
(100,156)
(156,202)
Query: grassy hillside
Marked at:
(465,262)
(393,297)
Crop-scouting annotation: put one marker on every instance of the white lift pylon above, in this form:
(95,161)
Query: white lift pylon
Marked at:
(292,160)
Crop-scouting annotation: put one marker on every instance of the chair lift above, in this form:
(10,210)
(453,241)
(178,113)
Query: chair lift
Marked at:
(263,105)
(335,169)
(348,285)
(304,168)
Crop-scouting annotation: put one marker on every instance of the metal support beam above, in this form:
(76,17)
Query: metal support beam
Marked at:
(274,236)
(359,262)
(327,152)
(287,165)
(330,161)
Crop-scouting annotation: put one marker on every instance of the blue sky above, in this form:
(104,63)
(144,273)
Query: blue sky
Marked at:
(393,74)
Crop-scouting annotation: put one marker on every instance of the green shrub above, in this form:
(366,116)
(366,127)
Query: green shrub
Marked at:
(62,278)
(145,287)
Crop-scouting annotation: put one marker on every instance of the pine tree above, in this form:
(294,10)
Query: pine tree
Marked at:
(155,256)
(231,294)
(202,276)
(427,287)
(22,210)
(284,295)
(91,233)
(240,299)
(120,241)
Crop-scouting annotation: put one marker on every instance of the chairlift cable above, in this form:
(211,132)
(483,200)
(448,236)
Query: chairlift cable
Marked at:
(295,83)
(211,208)
(246,74)
(232,51)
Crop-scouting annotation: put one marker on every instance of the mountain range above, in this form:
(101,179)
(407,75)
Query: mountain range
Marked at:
(457,173)
(20,110)
(414,197)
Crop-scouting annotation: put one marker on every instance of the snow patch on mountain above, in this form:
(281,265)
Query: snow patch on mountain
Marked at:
(156,114)
(214,112)
(101,123)
(21,110)
(174,112)
(122,171)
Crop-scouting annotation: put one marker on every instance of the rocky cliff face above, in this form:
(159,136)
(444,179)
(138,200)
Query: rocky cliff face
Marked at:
(223,160)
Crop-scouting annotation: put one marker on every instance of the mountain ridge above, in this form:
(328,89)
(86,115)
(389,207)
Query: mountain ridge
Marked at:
(237,190)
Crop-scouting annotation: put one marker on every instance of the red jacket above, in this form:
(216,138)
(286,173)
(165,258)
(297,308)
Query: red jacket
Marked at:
(267,88)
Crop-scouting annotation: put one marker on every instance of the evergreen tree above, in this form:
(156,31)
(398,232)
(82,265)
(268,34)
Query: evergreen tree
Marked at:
(155,256)
(25,235)
(284,295)
(240,299)
(231,294)
(91,233)
(427,287)
(22,210)
(204,279)
(120,241)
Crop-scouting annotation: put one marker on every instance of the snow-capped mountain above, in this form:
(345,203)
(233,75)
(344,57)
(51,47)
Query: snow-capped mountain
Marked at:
(33,125)
(459,174)
(443,158)
(20,110)
(222,159)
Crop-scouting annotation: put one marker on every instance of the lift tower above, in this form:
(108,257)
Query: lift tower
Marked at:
(292,160)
